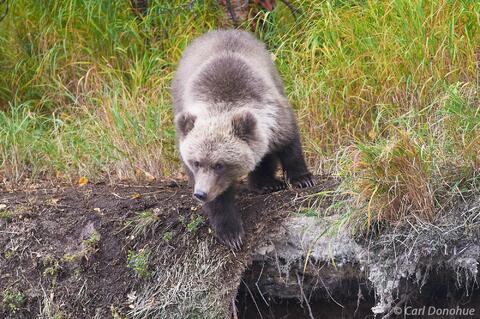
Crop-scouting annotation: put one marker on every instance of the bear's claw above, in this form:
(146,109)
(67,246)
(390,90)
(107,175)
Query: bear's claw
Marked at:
(275,186)
(228,229)
(231,240)
(303,181)
(235,244)
(270,186)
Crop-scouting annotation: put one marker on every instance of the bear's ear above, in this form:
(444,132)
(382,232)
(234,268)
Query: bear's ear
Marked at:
(184,122)
(244,125)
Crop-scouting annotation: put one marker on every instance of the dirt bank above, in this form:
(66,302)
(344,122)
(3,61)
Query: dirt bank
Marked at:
(126,251)
(142,251)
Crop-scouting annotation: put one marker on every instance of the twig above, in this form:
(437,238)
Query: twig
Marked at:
(231,12)
(359,299)
(253,299)
(9,232)
(118,196)
(234,309)
(137,186)
(4,14)
(330,295)
(258,287)
(304,297)
(291,7)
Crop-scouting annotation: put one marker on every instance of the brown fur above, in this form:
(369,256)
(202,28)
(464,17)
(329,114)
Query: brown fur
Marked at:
(233,119)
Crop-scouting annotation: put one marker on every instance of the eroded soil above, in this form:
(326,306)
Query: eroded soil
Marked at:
(67,252)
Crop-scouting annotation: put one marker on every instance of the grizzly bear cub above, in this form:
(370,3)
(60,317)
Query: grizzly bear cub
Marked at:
(232,119)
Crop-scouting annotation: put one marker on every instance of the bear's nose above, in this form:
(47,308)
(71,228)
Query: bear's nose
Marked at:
(200,195)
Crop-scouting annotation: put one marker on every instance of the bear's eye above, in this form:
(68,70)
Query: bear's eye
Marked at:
(218,167)
(196,164)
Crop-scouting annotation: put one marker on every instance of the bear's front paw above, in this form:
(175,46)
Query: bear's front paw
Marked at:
(264,187)
(303,181)
(273,186)
(228,230)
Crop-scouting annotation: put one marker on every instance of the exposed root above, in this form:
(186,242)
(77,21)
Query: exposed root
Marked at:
(304,298)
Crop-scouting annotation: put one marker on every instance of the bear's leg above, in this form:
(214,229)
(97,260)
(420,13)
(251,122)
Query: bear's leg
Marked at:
(263,176)
(293,164)
(225,220)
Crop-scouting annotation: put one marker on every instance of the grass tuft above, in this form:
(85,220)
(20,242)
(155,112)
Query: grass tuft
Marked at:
(418,164)
(143,223)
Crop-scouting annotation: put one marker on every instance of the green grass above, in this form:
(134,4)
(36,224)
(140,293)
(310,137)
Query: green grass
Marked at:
(142,224)
(386,92)
(419,163)
(6,216)
(13,300)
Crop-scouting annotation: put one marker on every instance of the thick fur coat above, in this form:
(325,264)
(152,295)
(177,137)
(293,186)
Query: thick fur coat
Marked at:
(233,119)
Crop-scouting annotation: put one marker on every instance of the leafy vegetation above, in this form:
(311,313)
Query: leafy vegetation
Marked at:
(6,215)
(13,300)
(91,243)
(138,262)
(386,92)
(195,222)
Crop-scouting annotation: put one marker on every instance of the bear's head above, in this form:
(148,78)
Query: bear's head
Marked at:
(217,150)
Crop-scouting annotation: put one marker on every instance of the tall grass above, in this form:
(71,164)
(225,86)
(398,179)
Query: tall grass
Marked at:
(415,169)
(84,88)
(350,61)
(378,86)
